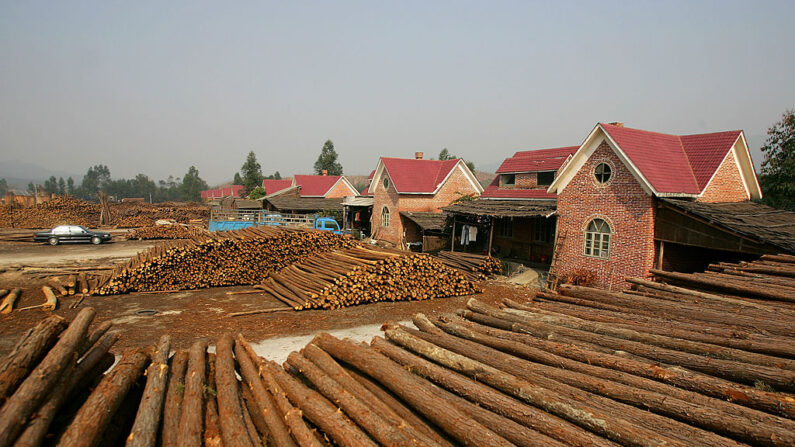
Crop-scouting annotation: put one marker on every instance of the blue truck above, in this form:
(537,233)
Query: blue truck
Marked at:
(237,219)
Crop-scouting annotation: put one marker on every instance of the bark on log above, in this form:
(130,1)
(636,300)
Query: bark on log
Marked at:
(276,428)
(491,399)
(326,363)
(721,285)
(413,390)
(581,411)
(708,296)
(28,351)
(712,414)
(230,410)
(705,384)
(191,421)
(212,427)
(8,302)
(253,435)
(321,412)
(147,420)
(172,407)
(87,428)
(380,429)
(40,382)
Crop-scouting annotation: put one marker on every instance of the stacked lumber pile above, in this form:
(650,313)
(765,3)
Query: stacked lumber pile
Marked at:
(134,222)
(477,267)
(173,231)
(63,210)
(360,275)
(243,257)
(135,214)
(770,278)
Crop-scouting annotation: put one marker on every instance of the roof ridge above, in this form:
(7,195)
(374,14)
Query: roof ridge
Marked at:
(689,163)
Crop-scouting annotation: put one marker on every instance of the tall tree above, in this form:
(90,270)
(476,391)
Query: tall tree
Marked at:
(51,185)
(61,186)
(3,187)
(445,155)
(192,185)
(70,186)
(237,180)
(251,173)
(328,160)
(96,178)
(778,168)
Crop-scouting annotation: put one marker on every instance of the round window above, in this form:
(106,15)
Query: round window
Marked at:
(603,172)
(386,183)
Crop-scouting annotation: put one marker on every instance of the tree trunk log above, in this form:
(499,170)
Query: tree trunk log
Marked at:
(191,420)
(89,424)
(212,426)
(172,407)
(40,382)
(150,410)
(230,411)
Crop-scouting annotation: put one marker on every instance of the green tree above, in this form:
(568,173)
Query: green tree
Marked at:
(51,185)
(778,168)
(70,186)
(327,160)
(3,187)
(237,180)
(445,155)
(251,173)
(32,188)
(61,186)
(274,176)
(192,185)
(97,177)
(257,193)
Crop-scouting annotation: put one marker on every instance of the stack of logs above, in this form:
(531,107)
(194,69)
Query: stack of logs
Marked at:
(242,257)
(360,275)
(134,222)
(172,231)
(477,267)
(770,278)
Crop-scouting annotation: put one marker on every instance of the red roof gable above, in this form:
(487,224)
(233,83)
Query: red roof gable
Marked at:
(217,193)
(538,160)
(671,163)
(417,176)
(272,186)
(493,191)
(315,185)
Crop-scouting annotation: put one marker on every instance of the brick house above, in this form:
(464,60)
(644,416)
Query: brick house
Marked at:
(316,186)
(617,202)
(401,185)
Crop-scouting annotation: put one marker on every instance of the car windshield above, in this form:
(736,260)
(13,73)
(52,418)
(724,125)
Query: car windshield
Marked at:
(85,230)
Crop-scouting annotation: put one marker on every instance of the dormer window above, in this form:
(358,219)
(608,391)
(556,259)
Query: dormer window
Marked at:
(507,179)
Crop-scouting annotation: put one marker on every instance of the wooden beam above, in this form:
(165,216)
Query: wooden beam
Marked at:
(491,235)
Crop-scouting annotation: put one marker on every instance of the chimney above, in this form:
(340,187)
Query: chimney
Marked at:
(325,172)
(617,124)
(419,155)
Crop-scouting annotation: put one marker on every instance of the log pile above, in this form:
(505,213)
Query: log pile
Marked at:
(173,231)
(243,257)
(580,368)
(134,222)
(359,275)
(477,267)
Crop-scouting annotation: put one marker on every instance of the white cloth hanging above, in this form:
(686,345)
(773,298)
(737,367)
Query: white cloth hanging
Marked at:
(473,233)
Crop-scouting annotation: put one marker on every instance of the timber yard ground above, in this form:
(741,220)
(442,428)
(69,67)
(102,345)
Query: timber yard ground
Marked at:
(191,314)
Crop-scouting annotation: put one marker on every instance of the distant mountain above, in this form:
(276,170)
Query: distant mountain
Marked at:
(18,174)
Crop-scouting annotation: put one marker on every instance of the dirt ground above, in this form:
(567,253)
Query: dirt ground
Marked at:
(190,315)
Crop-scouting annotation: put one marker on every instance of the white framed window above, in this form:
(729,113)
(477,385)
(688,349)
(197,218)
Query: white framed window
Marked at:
(385,217)
(603,172)
(597,239)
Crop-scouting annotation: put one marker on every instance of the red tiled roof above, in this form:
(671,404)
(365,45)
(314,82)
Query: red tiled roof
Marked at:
(372,174)
(315,185)
(217,193)
(538,160)
(272,186)
(672,163)
(493,191)
(417,176)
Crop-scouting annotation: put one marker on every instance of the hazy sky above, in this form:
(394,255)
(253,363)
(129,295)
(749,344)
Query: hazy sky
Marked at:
(156,86)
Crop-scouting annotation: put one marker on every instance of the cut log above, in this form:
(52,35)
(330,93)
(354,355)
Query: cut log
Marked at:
(230,410)
(191,421)
(212,426)
(147,420)
(89,424)
(172,407)
(40,382)
(8,302)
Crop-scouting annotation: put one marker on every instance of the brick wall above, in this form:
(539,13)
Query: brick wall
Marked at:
(456,186)
(624,205)
(341,189)
(726,185)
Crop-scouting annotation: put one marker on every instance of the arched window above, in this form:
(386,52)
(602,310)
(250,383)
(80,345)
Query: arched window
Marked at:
(386,183)
(597,239)
(385,217)
(603,172)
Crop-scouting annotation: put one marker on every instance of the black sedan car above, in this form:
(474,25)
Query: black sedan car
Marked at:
(71,234)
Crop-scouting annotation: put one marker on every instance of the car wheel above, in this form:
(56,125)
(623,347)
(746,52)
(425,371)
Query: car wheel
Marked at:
(96,240)
(53,241)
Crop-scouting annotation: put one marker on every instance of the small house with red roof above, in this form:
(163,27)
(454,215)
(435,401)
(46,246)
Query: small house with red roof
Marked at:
(403,187)
(624,203)
(220,193)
